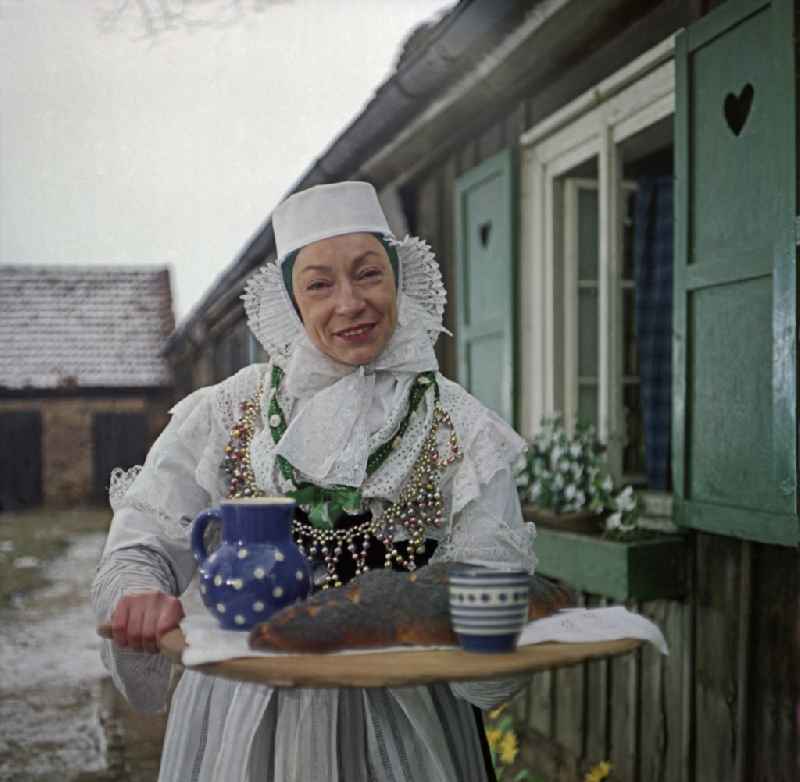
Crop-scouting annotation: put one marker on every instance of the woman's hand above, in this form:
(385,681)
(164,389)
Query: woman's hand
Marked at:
(139,621)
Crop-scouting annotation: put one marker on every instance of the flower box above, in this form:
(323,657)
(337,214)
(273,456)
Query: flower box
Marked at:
(647,569)
(577,521)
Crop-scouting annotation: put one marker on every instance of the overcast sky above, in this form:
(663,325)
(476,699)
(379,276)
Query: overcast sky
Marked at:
(118,147)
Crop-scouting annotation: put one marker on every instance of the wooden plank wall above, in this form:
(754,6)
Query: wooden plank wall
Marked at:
(724,704)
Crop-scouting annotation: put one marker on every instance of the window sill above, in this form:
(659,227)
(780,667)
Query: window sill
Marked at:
(637,570)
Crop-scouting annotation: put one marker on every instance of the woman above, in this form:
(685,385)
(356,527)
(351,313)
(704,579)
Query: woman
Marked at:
(351,398)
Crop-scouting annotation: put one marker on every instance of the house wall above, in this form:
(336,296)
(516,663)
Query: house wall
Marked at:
(67,437)
(724,704)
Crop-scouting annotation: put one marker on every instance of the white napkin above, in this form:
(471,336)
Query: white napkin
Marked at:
(207,642)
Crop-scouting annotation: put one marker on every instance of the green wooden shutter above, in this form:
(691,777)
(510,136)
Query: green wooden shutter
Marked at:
(485,283)
(735,449)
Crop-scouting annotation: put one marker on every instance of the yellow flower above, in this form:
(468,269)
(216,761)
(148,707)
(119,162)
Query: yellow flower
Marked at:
(599,772)
(495,713)
(493,736)
(508,748)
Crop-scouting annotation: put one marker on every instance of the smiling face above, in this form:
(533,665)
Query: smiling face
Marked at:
(345,290)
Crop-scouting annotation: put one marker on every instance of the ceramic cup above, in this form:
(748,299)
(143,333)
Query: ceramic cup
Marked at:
(488,608)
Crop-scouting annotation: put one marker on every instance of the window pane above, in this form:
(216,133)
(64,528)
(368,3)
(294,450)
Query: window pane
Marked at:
(633,460)
(630,353)
(587,404)
(629,203)
(587,332)
(587,234)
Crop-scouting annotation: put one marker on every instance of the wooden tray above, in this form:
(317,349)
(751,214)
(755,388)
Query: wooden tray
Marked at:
(397,669)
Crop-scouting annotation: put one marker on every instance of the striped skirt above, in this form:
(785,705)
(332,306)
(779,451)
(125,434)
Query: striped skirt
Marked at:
(241,732)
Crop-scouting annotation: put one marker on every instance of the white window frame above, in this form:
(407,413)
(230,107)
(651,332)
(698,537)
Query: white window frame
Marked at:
(593,125)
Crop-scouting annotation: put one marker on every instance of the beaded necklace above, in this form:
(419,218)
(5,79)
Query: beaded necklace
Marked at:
(419,505)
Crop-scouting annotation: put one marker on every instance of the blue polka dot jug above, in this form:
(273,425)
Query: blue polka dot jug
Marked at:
(258,569)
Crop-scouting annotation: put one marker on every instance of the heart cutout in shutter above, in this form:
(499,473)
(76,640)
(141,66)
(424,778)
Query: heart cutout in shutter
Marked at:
(737,108)
(484,230)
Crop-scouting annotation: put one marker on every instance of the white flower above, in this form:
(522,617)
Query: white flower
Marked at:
(607,485)
(614,521)
(570,492)
(580,499)
(555,455)
(558,481)
(577,471)
(563,465)
(626,500)
(575,450)
(536,490)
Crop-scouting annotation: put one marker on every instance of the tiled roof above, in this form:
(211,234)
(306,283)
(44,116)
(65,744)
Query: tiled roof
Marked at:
(87,326)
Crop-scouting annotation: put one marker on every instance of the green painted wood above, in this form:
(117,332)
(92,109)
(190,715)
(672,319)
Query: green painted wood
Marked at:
(641,570)
(734,349)
(737,522)
(745,265)
(485,252)
(725,16)
(679,271)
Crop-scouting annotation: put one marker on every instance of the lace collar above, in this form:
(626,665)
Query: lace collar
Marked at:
(328,439)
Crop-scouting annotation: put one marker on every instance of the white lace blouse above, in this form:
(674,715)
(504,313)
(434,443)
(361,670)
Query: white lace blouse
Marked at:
(238,731)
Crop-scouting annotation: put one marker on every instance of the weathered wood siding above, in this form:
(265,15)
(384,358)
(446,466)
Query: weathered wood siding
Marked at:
(724,705)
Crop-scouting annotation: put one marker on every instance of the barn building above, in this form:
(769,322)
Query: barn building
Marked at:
(83,385)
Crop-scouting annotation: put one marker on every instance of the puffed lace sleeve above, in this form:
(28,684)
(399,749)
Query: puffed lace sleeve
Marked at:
(486,523)
(148,544)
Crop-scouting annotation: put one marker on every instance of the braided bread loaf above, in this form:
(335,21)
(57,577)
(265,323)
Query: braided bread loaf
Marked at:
(384,608)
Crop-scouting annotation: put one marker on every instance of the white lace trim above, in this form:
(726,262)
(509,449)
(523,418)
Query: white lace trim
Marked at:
(489,443)
(205,418)
(275,324)
(120,481)
(127,489)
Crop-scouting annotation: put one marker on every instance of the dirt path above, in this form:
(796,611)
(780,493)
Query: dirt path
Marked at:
(61,717)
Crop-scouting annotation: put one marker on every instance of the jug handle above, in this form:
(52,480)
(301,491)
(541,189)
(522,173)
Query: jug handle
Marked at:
(201,521)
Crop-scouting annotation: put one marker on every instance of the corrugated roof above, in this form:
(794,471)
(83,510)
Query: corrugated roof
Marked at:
(87,326)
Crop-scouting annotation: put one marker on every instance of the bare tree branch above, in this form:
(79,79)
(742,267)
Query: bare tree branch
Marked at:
(155,18)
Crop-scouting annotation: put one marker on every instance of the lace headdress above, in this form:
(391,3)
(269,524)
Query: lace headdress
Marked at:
(337,397)
(332,210)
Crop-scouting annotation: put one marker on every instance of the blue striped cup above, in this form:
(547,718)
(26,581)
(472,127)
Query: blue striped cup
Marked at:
(488,608)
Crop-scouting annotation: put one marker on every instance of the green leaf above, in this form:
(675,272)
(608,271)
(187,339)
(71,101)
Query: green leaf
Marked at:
(524,774)
(506,723)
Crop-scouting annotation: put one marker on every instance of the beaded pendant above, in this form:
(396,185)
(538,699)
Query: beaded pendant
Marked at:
(420,505)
